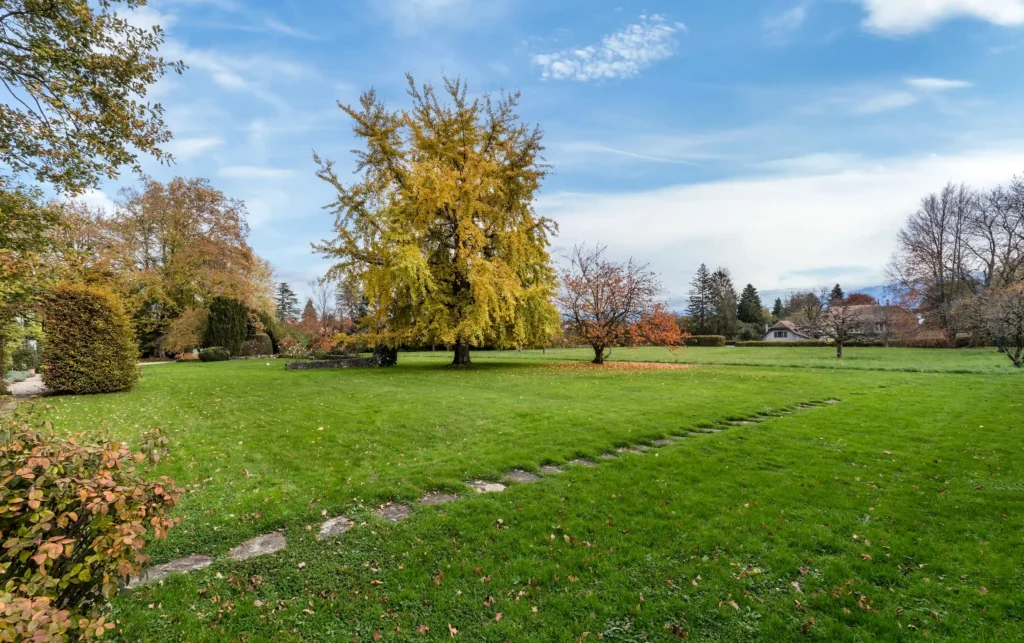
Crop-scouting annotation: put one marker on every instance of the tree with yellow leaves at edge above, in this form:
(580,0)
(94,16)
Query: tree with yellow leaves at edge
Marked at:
(77,73)
(440,230)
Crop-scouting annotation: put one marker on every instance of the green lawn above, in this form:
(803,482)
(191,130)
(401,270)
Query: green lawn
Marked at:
(913,360)
(895,514)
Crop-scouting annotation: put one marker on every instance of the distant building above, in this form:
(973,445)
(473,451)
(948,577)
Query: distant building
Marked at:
(786,331)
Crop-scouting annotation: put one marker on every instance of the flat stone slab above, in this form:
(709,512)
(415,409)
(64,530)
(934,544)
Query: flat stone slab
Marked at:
(334,527)
(833,401)
(522,476)
(608,456)
(180,566)
(582,462)
(548,470)
(260,546)
(633,451)
(486,486)
(393,512)
(664,442)
(642,447)
(438,498)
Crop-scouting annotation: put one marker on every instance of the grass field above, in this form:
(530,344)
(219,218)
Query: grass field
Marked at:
(895,514)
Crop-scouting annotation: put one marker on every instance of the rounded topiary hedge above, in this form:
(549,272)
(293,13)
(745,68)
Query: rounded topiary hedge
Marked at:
(90,343)
(214,354)
(714,341)
(258,345)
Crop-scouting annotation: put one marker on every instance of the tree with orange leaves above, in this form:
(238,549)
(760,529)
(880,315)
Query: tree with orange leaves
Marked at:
(606,304)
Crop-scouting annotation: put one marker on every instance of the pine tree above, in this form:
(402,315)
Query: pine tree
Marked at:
(310,320)
(749,311)
(699,308)
(723,303)
(837,294)
(779,311)
(287,303)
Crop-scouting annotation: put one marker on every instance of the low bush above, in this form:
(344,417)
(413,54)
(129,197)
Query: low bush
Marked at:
(26,358)
(291,348)
(90,344)
(385,356)
(706,340)
(257,345)
(272,327)
(214,354)
(75,516)
(810,343)
(931,342)
(188,357)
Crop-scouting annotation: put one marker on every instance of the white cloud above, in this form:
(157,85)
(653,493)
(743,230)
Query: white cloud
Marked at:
(623,54)
(937,84)
(250,172)
(186,148)
(774,231)
(901,17)
(779,26)
(96,201)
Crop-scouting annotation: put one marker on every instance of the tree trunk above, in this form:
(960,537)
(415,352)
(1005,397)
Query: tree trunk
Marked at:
(839,350)
(4,322)
(461,354)
(598,355)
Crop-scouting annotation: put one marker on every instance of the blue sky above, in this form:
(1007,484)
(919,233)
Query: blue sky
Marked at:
(784,139)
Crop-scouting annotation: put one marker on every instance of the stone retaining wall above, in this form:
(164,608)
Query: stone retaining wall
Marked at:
(353,362)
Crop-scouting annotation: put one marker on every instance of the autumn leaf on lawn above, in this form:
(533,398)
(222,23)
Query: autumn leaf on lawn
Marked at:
(983,590)
(497,617)
(376,635)
(452,630)
(423,629)
(796,586)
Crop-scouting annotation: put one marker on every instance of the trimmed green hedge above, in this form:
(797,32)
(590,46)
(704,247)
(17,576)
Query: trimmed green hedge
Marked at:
(706,340)
(214,354)
(26,358)
(804,344)
(90,344)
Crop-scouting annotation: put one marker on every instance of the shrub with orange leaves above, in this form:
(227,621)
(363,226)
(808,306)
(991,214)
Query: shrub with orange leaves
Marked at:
(74,519)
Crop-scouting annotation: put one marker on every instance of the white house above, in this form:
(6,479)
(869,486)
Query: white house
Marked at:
(786,331)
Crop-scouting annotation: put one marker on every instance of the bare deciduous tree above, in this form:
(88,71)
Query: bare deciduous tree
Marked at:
(842,323)
(1004,312)
(321,294)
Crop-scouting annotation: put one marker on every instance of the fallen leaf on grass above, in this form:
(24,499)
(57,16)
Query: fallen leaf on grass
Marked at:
(376,635)
(452,630)
(806,627)
(866,556)
(983,590)
(422,630)
(497,617)
(796,586)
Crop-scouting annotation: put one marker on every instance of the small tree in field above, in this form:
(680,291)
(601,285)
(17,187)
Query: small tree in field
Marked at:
(841,324)
(607,304)
(1004,312)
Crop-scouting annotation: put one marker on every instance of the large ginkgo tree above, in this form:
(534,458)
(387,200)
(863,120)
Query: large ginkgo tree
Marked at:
(439,226)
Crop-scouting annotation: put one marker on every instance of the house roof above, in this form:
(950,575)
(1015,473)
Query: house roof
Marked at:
(785,324)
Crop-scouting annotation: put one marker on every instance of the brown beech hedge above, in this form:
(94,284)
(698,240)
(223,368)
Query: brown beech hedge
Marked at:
(90,345)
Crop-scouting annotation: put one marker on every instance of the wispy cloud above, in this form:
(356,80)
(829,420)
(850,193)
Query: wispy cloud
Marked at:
(876,100)
(937,84)
(902,17)
(623,54)
(779,27)
(253,173)
(186,148)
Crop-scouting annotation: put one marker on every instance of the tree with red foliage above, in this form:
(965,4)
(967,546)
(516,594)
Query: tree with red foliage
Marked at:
(861,299)
(605,304)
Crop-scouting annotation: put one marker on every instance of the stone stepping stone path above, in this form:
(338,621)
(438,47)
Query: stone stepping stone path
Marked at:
(160,572)
(259,546)
(393,512)
(334,527)
(582,462)
(438,498)
(486,486)
(522,476)
(396,512)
